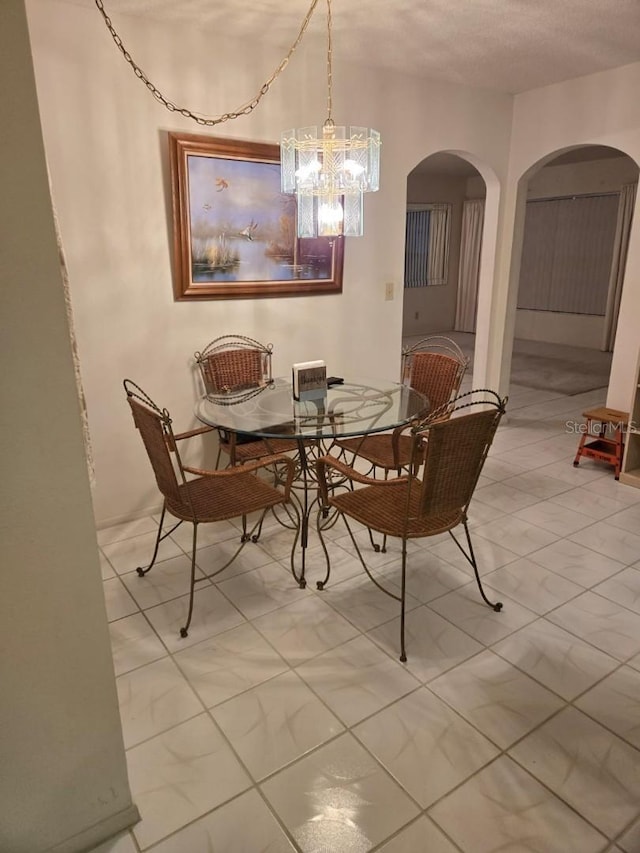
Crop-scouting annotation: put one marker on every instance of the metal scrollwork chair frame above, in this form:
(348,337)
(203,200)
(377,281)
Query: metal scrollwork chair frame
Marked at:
(434,367)
(453,451)
(233,368)
(200,496)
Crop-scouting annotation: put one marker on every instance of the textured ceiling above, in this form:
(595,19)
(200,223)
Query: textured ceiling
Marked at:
(507,45)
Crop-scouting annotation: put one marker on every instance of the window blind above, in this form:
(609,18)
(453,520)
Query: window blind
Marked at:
(567,253)
(426,255)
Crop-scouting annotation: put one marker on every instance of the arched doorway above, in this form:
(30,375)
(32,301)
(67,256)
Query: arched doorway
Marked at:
(470,192)
(572,228)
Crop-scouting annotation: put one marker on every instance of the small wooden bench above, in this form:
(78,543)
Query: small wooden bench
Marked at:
(603,436)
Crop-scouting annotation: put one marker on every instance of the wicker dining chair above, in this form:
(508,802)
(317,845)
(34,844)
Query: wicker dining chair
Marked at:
(237,365)
(408,507)
(207,496)
(434,367)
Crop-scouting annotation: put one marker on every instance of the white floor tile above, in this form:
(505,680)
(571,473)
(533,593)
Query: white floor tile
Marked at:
(212,614)
(630,840)
(503,808)
(262,590)
(465,609)
(126,555)
(576,563)
(433,644)
(122,843)
(499,700)
(624,588)
(422,834)
(127,530)
(425,745)
(489,554)
(304,629)
(615,702)
(154,698)
(541,485)
(330,800)
(105,567)
(363,604)
(117,600)
(589,502)
(553,517)
(611,541)
(180,775)
(532,585)
(275,723)
(223,666)
(516,535)
(208,534)
(357,679)
(503,497)
(166,580)
(587,766)
(134,643)
(241,826)
(603,623)
(555,658)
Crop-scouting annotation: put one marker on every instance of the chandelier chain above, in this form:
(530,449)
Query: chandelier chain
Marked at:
(329,120)
(246,108)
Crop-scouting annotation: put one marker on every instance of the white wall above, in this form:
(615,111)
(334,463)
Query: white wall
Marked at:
(63,782)
(105,142)
(557,327)
(599,109)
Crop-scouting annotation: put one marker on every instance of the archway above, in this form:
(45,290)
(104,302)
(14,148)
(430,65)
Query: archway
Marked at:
(569,249)
(450,304)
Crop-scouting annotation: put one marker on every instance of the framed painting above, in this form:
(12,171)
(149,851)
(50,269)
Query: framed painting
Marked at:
(235,231)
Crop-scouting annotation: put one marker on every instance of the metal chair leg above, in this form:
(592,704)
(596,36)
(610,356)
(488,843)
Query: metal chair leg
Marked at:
(497,605)
(185,630)
(403,585)
(159,538)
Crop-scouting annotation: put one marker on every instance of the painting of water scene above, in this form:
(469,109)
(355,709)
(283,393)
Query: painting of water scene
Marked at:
(235,231)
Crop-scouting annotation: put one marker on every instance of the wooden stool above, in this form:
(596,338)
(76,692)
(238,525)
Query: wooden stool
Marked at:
(594,442)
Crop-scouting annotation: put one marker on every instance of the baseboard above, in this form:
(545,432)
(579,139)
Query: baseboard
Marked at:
(99,832)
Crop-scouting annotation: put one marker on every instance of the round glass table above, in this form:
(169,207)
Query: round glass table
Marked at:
(357,407)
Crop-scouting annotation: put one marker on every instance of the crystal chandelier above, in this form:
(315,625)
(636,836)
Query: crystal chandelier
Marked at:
(329,168)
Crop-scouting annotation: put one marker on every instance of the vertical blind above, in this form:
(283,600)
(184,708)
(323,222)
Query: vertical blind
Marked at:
(567,253)
(427,246)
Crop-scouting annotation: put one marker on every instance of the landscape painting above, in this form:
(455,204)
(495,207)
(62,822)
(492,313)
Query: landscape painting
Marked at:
(235,231)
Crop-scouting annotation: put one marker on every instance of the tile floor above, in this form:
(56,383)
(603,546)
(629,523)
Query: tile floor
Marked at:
(285,721)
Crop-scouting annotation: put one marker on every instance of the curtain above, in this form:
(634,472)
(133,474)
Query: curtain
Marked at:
(469,268)
(438,245)
(618,264)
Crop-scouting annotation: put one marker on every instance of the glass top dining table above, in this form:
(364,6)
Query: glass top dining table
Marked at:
(355,407)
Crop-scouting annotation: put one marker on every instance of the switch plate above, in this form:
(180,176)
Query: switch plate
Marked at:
(388,290)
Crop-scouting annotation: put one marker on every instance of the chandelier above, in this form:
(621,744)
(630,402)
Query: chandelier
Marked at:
(328,168)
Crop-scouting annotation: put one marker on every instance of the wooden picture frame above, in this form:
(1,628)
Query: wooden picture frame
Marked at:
(235,231)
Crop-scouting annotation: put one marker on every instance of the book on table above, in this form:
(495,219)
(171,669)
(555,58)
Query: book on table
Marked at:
(309,379)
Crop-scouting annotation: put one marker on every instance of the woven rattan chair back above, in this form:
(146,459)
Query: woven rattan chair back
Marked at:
(435,367)
(156,433)
(234,363)
(455,453)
